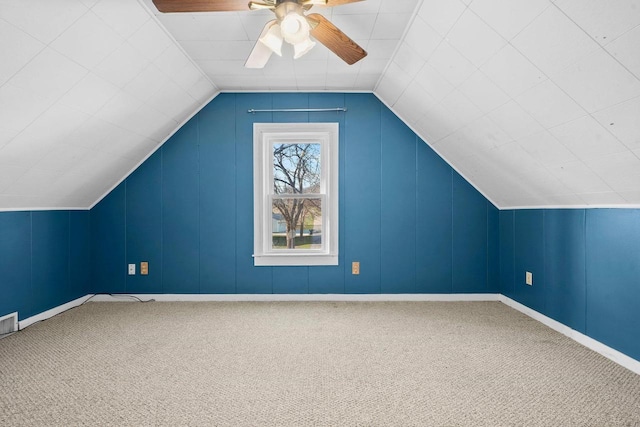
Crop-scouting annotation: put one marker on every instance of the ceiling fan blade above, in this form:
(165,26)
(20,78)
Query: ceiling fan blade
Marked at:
(308,4)
(335,40)
(261,53)
(170,6)
(340,2)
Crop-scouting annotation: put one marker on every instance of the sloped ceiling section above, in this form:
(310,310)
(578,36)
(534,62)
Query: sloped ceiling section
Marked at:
(87,90)
(535,102)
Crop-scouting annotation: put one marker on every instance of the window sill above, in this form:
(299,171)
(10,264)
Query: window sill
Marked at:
(294,260)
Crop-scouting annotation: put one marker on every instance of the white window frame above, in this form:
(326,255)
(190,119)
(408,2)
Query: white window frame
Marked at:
(265,135)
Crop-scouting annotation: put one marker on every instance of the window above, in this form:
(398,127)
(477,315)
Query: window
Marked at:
(295,176)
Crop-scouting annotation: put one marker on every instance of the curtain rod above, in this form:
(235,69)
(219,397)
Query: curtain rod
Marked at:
(298,110)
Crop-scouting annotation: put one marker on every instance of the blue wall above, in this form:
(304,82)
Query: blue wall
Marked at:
(586,269)
(44,260)
(413,223)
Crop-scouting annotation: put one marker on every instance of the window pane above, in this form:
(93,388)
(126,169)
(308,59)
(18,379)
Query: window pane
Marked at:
(296,168)
(296,223)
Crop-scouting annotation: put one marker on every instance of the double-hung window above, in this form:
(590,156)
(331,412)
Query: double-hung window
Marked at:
(295,193)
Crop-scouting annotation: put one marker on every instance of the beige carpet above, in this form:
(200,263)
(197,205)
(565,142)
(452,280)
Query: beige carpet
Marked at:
(307,364)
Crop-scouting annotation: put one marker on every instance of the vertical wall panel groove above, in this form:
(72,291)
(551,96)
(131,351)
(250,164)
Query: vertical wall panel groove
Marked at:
(188,211)
(397,215)
(44,260)
(589,268)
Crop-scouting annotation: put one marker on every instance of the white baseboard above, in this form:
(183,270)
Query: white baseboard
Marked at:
(608,352)
(298,297)
(52,312)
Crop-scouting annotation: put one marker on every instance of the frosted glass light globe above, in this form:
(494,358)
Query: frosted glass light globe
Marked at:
(290,25)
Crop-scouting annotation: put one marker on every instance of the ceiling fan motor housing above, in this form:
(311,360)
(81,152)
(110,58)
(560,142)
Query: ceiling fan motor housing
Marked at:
(284,7)
(279,2)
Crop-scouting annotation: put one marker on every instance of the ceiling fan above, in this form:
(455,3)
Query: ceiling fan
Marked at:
(291,25)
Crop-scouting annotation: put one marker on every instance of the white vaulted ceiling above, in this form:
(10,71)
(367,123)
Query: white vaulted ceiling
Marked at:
(535,102)
(87,90)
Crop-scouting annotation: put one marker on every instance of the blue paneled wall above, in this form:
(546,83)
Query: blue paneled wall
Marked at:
(585,265)
(413,223)
(44,260)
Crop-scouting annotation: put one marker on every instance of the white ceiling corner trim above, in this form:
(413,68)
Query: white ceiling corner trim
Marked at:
(414,130)
(156,148)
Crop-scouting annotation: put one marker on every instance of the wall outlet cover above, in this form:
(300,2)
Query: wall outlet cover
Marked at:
(528,278)
(355,267)
(132,269)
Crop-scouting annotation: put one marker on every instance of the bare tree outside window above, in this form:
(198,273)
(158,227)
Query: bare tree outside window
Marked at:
(296,201)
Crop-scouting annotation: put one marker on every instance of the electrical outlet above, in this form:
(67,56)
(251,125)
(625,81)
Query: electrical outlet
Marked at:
(528,278)
(355,267)
(132,269)
(144,268)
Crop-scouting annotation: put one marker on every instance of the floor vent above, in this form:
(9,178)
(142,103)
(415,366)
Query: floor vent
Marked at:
(8,324)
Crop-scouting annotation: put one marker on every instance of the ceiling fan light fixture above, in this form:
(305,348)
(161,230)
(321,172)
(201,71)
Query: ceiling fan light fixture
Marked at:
(273,39)
(301,48)
(291,24)
(295,28)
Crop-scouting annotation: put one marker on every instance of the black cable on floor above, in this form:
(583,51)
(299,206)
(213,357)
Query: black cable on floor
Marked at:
(79,305)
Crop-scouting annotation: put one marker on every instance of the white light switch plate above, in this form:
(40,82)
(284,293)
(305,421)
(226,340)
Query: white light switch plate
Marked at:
(132,269)
(529,278)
